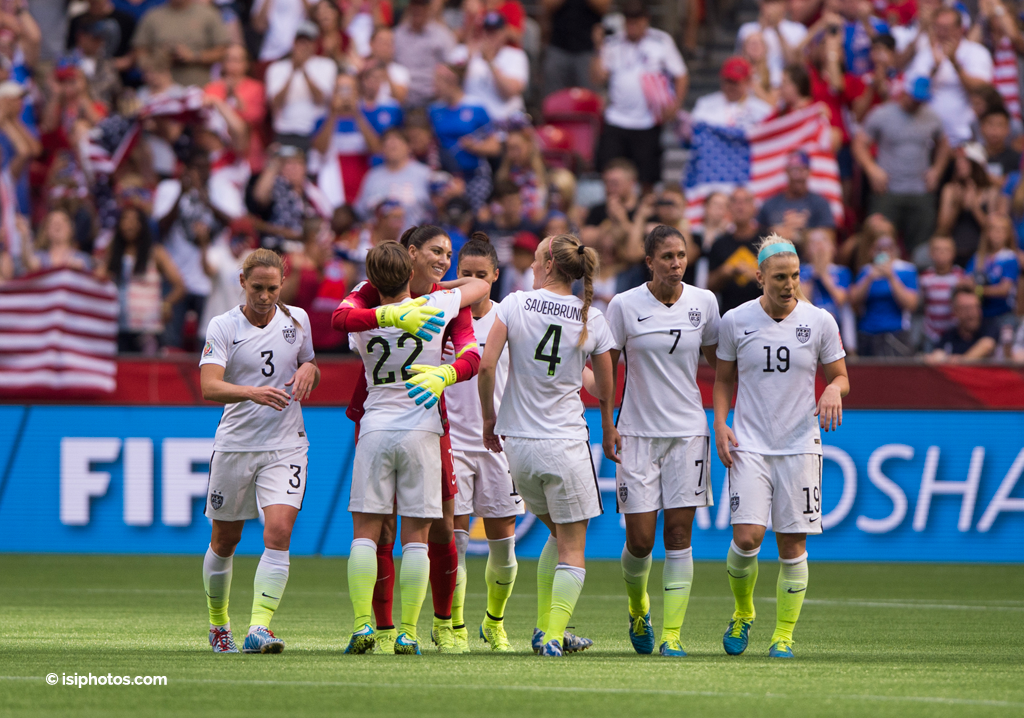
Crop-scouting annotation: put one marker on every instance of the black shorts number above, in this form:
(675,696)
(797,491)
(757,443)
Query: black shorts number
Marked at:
(814,492)
(269,356)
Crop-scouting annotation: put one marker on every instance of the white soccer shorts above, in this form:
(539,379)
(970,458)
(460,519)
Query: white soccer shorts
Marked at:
(485,486)
(238,479)
(397,467)
(787,488)
(555,477)
(663,473)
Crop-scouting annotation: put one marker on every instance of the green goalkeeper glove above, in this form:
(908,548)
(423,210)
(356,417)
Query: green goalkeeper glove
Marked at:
(429,383)
(413,317)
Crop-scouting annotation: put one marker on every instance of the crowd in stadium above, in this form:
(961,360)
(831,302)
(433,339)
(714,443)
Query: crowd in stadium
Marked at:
(157,142)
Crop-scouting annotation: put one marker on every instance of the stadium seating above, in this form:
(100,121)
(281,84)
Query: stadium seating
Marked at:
(577,112)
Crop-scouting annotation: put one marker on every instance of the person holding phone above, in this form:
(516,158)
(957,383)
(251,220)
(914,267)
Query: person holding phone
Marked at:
(884,295)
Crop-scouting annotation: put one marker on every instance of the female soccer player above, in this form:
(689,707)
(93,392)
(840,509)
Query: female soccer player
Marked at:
(252,353)
(772,345)
(663,326)
(550,333)
(398,456)
(430,250)
(485,487)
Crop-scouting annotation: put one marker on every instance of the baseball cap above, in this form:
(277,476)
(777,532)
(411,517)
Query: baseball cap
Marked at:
(633,9)
(921,89)
(308,30)
(525,241)
(798,157)
(975,153)
(736,69)
(494,21)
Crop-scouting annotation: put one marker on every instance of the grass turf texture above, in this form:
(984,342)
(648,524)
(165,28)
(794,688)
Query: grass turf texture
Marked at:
(874,639)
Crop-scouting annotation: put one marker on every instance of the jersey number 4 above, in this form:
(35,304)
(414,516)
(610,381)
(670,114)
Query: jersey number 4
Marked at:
(385,353)
(554,335)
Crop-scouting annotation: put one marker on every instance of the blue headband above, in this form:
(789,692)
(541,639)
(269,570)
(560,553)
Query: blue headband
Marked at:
(773,249)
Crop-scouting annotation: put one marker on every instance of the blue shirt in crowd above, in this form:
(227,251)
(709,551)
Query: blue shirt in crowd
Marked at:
(820,297)
(857,44)
(451,124)
(1002,264)
(881,312)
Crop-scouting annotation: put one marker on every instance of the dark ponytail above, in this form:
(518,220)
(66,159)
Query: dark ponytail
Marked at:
(418,236)
(572,261)
(479,245)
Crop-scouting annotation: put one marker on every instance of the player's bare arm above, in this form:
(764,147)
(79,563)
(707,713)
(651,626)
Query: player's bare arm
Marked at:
(496,341)
(830,405)
(725,386)
(214,388)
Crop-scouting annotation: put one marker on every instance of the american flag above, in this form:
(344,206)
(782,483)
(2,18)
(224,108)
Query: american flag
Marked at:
(658,91)
(58,333)
(723,158)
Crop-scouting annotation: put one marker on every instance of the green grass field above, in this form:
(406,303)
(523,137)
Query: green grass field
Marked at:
(874,640)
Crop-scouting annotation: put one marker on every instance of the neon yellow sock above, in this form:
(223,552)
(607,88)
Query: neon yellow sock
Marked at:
(545,577)
(459,598)
(412,581)
(217,582)
(268,587)
(790,592)
(362,575)
(635,571)
(565,592)
(742,568)
(676,580)
(501,572)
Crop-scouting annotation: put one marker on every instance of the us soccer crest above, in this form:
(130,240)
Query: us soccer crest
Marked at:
(216,500)
(289,334)
(734,502)
(695,317)
(803,334)
(623,493)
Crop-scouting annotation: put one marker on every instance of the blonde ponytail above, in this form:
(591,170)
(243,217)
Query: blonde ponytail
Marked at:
(572,261)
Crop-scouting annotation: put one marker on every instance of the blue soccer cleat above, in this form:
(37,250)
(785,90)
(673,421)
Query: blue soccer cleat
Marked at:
(571,643)
(362,641)
(641,634)
(261,640)
(737,636)
(782,648)
(221,640)
(672,649)
(551,648)
(407,646)
(537,642)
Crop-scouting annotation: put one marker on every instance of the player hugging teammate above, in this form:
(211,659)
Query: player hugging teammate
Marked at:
(525,406)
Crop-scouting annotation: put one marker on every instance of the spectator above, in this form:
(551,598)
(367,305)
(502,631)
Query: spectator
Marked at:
(856,251)
(825,283)
(509,220)
(246,96)
(18,144)
(912,155)
(140,268)
(114,27)
(350,134)
(732,262)
(419,133)
(1017,350)
(621,194)
(191,31)
(841,91)
(783,39)
(420,45)
(70,112)
(970,339)
(517,276)
(884,82)
(966,201)
(360,20)
(456,219)
(522,163)
(612,267)
(299,89)
(735,105)
(937,285)
(278,21)
(497,72)
(474,17)
(716,223)
(570,50)
(333,43)
(995,134)
(754,51)
(222,262)
(463,130)
(55,246)
(104,82)
(284,198)
(400,178)
(884,294)
(382,50)
(635,63)
(670,209)
(956,66)
(562,197)
(795,90)
(386,225)
(1013,202)
(860,27)
(996,29)
(994,269)
(796,209)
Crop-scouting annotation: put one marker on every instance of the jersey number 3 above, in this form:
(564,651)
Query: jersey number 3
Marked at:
(554,335)
(385,353)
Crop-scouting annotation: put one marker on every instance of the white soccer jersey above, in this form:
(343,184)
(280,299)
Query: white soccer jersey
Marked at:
(545,373)
(777,363)
(252,356)
(660,395)
(386,354)
(462,400)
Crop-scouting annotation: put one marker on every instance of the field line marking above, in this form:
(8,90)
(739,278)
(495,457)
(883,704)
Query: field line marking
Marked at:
(585,689)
